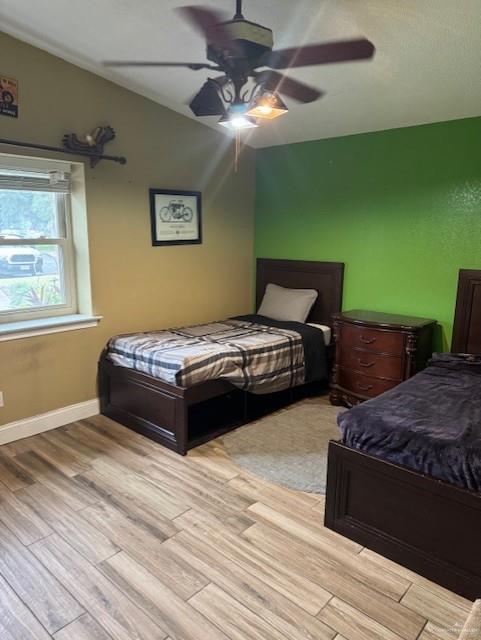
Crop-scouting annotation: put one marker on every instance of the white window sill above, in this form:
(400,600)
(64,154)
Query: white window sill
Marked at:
(44,326)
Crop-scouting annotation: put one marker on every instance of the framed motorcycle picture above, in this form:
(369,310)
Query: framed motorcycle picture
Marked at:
(176,217)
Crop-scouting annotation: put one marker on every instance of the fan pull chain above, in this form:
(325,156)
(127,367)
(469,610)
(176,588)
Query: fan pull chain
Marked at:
(237,150)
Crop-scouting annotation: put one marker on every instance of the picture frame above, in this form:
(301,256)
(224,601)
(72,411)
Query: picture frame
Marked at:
(175,217)
(8,97)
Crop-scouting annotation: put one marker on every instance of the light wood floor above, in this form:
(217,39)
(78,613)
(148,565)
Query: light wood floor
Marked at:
(105,535)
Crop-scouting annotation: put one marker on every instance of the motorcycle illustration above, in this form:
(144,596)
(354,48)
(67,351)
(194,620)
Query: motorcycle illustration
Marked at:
(6,96)
(176,211)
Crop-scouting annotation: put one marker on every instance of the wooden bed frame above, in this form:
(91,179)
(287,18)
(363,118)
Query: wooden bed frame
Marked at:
(183,417)
(426,525)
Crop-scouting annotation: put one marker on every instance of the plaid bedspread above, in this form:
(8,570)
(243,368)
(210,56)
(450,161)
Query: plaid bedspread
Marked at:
(252,356)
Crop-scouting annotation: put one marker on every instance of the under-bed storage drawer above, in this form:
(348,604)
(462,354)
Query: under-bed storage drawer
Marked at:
(214,416)
(373,339)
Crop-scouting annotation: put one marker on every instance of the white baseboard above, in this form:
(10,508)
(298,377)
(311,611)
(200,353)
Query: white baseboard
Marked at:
(47,421)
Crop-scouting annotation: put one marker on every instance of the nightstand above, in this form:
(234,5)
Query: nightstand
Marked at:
(375,352)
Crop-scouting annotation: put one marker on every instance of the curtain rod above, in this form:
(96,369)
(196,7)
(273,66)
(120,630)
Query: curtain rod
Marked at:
(44,147)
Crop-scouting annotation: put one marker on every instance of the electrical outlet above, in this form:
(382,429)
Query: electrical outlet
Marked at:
(1,399)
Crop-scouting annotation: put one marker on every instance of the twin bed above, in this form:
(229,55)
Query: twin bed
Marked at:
(405,479)
(186,386)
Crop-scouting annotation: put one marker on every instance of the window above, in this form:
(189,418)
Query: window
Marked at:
(38,276)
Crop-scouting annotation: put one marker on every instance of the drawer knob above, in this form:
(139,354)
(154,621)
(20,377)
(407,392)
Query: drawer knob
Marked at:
(366,364)
(367,340)
(363,387)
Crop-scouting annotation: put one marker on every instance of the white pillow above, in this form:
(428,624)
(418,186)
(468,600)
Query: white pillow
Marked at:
(280,303)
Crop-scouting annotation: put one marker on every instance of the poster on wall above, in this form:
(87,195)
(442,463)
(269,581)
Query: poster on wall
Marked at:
(8,97)
(175,217)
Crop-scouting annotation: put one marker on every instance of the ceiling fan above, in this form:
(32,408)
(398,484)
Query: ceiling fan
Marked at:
(243,51)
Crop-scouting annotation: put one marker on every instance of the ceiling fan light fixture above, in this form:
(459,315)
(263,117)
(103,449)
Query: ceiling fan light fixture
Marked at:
(237,121)
(207,102)
(267,106)
(237,118)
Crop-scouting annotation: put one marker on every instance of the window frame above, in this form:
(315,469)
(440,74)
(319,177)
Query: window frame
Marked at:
(66,244)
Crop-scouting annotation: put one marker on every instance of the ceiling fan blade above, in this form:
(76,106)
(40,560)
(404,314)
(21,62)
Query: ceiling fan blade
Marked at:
(326,53)
(208,22)
(299,91)
(195,66)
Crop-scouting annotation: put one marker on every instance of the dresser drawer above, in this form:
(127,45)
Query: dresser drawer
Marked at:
(363,385)
(372,364)
(372,339)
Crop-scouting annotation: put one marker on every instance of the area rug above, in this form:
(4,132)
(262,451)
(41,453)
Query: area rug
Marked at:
(288,447)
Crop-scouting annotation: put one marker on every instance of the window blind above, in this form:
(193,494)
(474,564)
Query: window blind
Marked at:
(21,180)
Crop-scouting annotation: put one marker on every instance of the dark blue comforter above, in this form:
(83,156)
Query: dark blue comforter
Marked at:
(431,423)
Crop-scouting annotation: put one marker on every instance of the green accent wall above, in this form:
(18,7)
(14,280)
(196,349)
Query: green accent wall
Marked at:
(401,208)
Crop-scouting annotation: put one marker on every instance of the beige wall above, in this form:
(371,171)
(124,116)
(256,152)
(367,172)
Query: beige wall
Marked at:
(134,286)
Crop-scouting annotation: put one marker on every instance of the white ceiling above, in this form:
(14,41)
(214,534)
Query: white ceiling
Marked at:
(427,67)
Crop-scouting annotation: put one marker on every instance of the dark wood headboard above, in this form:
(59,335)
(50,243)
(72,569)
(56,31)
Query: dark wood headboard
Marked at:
(467,320)
(325,277)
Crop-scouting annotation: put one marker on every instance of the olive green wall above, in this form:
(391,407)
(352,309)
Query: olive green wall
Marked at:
(401,208)
(135,287)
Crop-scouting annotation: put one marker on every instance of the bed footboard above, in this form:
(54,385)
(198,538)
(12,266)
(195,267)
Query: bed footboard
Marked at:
(426,525)
(148,408)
